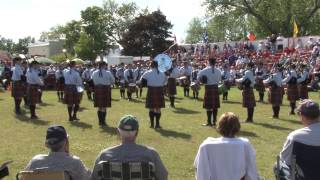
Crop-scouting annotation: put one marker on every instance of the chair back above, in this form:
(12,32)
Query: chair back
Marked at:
(307,161)
(41,175)
(126,170)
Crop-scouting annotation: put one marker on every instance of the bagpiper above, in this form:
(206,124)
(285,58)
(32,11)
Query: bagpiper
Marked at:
(186,71)
(248,99)
(172,74)
(121,80)
(210,77)
(73,90)
(18,89)
(102,80)
(86,76)
(303,82)
(155,81)
(260,73)
(138,72)
(34,87)
(195,87)
(60,83)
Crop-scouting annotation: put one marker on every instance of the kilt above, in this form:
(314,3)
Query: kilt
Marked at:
(186,82)
(172,87)
(211,97)
(292,92)
(303,91)
(19,89)
(227,84)
(275,96)
(50,80)
(33,94)
(248,99)
(88,86)
(102,96)
(155,98)
(71,96)
(259,85)
(60,86)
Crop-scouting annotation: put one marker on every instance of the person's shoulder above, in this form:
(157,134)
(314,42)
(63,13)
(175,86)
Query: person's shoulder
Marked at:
(209,141)
(298,133)
(39,157)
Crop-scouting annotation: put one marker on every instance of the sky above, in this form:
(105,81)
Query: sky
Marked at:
(22,18)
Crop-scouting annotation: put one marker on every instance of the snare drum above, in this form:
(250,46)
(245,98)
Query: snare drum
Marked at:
(195,87)
(132,87)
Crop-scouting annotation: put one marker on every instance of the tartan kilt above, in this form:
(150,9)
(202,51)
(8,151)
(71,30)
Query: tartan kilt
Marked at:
(275,96)
(155,97)
(33,94)
(87,86)
(172,86)
(227,84)
(211,97)
(292,92)
(259,85)
(71,96)
(248,99)
(19,89)
(60,86)
(50,80)
(303,91)
(102,96)
(186,82)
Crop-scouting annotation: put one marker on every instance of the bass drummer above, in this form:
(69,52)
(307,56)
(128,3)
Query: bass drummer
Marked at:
(130,80)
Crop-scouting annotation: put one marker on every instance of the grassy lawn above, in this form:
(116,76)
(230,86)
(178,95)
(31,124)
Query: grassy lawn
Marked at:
(177,143)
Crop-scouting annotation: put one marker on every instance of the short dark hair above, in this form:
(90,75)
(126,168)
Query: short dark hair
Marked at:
(228,125)
(309,109)
(56,147)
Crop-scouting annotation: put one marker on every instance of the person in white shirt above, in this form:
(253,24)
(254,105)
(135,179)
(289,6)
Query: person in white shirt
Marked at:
(18,78)
(86,76)
(210,77)
(72,96)
(155,81)
(33,89)
(303,82)
(186,70)
(102,80)
(138,72)
(120,78)
(226,157)
(130,79)
(60,83)
(275,97)
(292,89)
(248,99)
(172,74)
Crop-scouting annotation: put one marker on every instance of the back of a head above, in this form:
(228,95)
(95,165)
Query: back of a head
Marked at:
(228,125)
(56,138)
(309,109)
(128,128)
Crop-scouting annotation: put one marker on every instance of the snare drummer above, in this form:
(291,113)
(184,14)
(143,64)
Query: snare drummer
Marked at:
(120,76)
(186,70)
(172,74)
(210,77)
(86,76)
(195,87)
(130,80)
(138,72)
(72,97)
(102,80)
(155,81)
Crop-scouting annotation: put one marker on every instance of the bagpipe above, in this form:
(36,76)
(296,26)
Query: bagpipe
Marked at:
(244,84)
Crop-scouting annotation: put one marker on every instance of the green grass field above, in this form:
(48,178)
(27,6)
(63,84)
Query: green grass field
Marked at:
(177,143)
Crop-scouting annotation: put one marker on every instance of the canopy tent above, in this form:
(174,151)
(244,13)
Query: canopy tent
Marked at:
(42,60)
(79,61)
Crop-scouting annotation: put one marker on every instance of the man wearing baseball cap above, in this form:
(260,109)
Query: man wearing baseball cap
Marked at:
(309,113)
(129,151)
(59,158)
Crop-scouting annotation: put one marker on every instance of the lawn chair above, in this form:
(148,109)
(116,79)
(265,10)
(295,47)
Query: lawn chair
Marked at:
(42,175)
(305,164)
(126,170)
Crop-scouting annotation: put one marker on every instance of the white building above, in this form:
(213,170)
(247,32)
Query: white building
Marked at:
(46,49)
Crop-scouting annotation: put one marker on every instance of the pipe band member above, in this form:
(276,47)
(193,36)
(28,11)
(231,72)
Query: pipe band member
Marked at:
(102,80)
(155,81)
(210,77)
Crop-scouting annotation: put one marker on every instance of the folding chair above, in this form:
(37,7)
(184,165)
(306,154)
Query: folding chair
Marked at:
(126,170)
(41,175)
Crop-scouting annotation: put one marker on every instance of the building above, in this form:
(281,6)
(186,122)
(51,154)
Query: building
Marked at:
(46,49)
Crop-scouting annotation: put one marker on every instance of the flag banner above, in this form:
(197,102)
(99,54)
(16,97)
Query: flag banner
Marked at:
(251,36)
(295,28)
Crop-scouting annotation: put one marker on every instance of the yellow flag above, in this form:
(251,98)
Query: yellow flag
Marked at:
(295,28)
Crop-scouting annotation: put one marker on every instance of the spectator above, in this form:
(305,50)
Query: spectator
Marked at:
(226,157)
(59,158)
(129,151)
(309,113)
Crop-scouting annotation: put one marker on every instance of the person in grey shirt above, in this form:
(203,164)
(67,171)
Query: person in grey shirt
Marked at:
(129,151)
(309,114)
(59,158)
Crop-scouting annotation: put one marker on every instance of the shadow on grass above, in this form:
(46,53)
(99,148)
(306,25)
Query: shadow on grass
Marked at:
(45,104)
(247,134)
(231,102)
(112,99)
(175,134)
(81,109)
(291,121)
(180,110)
(136,101)
(272,126)
(24,118)
(82,125)
(109,130)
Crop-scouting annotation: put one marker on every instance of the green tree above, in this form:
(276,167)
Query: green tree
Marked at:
(72,32)
(272,16)
(84,46)
(147,35)
(56,32)
(195,31)
(22,45)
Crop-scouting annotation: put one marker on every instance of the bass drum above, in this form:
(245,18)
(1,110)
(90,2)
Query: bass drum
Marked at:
(164,62)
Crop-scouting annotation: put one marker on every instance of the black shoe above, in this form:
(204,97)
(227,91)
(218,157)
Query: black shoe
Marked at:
(34,117)
(71,119)
(75,118)
(158,127)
